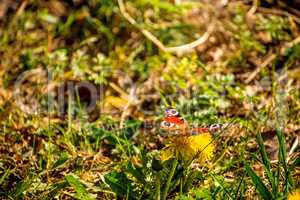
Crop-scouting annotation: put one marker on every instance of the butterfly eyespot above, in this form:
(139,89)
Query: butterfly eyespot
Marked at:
(174,112)
(215,126)
(171,112)
(167,124)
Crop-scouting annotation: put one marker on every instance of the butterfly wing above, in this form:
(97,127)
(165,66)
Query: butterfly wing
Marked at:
(173,122)
(212,128)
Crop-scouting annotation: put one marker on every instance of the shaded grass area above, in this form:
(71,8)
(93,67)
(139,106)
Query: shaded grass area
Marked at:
(83,91)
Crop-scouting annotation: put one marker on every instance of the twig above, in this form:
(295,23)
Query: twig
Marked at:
(119,90)
(274,11)
(189,46)
(295,144)
(178,49)
(259,68)
(294,42)
(131,100)
(21,8)
(253,8)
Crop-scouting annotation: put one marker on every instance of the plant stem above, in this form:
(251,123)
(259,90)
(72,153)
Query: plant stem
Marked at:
(181,186)
(157,196)
(166,189)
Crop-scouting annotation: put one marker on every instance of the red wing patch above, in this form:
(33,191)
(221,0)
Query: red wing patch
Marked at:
(174,120)
(199,130)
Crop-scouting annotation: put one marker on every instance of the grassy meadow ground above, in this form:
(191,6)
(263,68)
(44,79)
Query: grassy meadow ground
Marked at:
(84,86)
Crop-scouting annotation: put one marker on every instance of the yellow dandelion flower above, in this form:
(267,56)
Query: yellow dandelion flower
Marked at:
(202,145)
(198,147)
(295,195)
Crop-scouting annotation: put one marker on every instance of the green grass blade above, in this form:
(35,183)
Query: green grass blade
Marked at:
(136,172)
(266,160)
(283,159)
(222,185)
(21,187)
(55,189)
(5,175)
(61,160)
(260,186)
(167,186)
(237,192)
(81,192)
(282,147)
(263,152)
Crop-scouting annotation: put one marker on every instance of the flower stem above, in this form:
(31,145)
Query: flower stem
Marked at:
(181,186)
(166,189)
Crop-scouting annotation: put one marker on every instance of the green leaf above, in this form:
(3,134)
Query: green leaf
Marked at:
(5,175)
(297,162)
(131,127)
(47,17)
(136,172)
(81,192)
(204,194)
(56,188)
(61,160)
(222,184)
(260,186)
(21,187)
(119,183)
